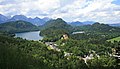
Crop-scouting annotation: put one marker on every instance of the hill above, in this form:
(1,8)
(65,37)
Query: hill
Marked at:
(97,31)
(17,26)
(54,29)
(97,27)
(57,23)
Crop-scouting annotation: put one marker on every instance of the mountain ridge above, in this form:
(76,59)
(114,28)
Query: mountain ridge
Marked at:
(78,23)
(36,21)
(17,26)
(3,18)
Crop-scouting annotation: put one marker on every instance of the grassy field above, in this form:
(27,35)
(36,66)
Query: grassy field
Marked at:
(114,39)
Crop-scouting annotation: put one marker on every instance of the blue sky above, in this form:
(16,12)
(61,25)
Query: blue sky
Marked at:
(104,11)
(116,2)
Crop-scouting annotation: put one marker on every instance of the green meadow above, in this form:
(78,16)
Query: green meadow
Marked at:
(114,39)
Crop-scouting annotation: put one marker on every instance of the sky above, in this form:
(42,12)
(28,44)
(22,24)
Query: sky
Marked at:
(103,11)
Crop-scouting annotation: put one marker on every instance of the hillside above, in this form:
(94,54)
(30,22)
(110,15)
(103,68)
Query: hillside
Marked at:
(55,28)
(17,26)
(97,31)
(97,27)
(57,23)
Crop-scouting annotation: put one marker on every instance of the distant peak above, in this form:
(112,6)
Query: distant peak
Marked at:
(1,15)
(37,18)
(96,23)
(59,19)
(19,16)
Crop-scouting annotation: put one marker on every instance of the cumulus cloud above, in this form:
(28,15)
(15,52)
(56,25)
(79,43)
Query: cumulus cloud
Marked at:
(104,11)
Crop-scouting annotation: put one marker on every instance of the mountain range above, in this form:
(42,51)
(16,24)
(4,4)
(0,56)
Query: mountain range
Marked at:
(39,22)
(36,21)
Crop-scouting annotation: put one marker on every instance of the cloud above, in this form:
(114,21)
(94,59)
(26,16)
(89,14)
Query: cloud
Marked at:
(25,6)
(91,10)
(70,10)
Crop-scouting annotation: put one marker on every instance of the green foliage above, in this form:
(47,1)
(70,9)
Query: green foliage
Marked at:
(83,47)
(16,53)
(104,62)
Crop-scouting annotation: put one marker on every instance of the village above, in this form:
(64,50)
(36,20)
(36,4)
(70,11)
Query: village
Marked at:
(92,54)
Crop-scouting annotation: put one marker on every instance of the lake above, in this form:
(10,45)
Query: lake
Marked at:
(34,35)
(78,32)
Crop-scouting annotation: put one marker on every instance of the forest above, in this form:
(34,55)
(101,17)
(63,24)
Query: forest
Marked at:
(89,50)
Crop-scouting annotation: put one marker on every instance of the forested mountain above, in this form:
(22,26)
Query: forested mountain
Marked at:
(55,28)
(57,23)
(97,27)
(96,31)
(17,26)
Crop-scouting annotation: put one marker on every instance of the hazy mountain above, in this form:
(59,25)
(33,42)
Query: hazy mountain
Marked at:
(88,22)
(115,25)
(3,18)
(46,19)
(17,26)
(36,21)
(77,23)
(18,17)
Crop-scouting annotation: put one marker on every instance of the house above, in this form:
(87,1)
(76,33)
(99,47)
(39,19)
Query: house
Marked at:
(65,37)
(116,53)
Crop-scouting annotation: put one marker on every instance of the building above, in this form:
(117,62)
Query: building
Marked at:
(65,37)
